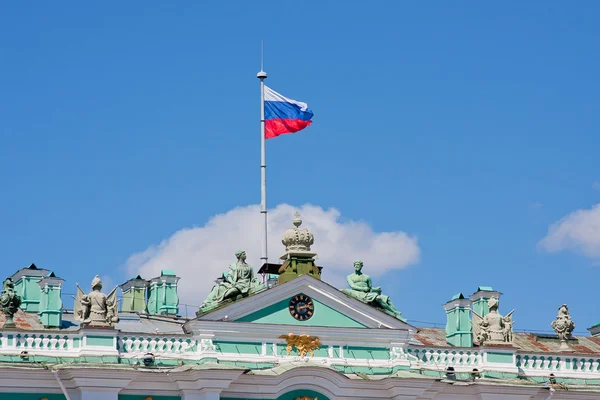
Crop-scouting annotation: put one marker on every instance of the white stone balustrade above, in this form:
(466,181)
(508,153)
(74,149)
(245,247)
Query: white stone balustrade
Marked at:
(158,345)
(558,363)
(32,342)
(441,359)
(461,359)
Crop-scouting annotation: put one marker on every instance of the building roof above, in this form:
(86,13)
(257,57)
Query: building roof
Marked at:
(128,323)
(23,321)
(524,341)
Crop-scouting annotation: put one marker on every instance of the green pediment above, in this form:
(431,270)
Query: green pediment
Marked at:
(279,313)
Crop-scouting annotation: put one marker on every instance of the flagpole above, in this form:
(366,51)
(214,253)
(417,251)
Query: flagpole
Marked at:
(262,75)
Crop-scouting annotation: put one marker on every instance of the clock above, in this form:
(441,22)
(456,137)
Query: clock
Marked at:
(301,307)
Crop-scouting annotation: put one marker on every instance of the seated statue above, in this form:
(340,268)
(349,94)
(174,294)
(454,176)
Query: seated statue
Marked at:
(362,289)
(238,282)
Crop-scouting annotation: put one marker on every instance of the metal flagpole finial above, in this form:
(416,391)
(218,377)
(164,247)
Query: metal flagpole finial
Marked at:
(262,74)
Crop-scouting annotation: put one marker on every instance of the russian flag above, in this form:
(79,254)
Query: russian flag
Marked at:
(283,115)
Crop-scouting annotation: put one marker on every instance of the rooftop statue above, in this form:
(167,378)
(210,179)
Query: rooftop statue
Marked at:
(493,328)
(9,302)
(238,282)
(361,288)
(96,308)
(563,325)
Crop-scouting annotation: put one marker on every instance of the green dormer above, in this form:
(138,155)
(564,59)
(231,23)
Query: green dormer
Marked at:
(134,295)
(50,301)
(162,294)
(480,299)
(458,321)
(26,285)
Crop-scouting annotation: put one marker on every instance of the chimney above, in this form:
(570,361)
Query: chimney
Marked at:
(50,305)
(458,321)
(134,295)
(162,294)
(480,299)
(26,285)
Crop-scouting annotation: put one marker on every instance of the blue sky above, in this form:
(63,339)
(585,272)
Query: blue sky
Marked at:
(472,129)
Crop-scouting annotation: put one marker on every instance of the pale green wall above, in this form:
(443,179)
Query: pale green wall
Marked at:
(162,295)
(27,287)
(480,306)
(505,358)
(458,327)
(239,348)
(134,299)
(278,313)
(107,341)
(50,308)
(371,353)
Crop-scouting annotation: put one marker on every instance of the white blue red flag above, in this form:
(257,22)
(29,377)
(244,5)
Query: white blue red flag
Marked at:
(283,115)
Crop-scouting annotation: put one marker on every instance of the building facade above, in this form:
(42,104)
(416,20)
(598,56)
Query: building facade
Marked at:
(289,336)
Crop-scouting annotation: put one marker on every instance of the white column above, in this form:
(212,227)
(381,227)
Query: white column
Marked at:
(94,393)
(94,384)
(203,384)
(194,394)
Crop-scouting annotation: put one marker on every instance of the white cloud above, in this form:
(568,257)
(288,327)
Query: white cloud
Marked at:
(579,231)
(200,254)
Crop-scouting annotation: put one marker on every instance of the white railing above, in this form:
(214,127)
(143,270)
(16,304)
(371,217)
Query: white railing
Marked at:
(546,363)
(37,341)
(149,344)
(443,358)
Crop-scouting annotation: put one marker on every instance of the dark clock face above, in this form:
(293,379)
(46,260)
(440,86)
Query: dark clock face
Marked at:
(301,307)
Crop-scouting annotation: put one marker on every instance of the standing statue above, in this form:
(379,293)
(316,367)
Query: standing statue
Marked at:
(507,329)
(96,308)
(493,328)
(563,325)
(362,289)
(9,302)
(238,282)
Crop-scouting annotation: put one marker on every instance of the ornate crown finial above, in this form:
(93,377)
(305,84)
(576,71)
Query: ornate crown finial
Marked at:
(297,220)
(297,239)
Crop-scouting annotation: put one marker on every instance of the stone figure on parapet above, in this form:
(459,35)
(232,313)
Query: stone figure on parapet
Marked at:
(238,282)
(96,309)
(493,328)
(361,288)
(9,302)
(563,325)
